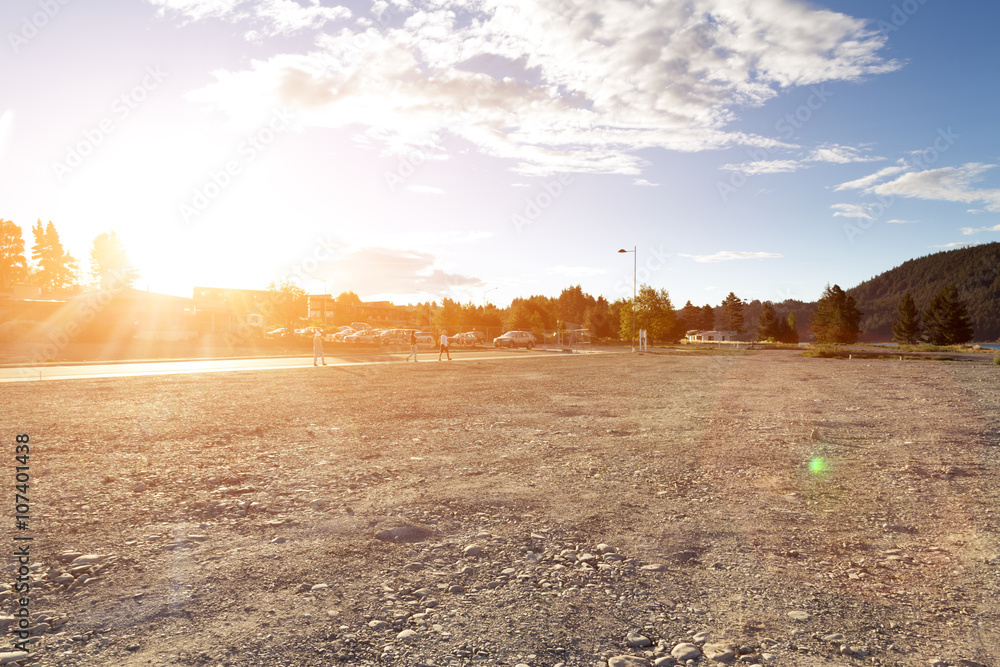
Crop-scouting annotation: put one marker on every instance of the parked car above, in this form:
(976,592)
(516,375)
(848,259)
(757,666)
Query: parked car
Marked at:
(309,332)
(342,335)
(396,337)
(477,337)
(515,339)
(277,333)
(368,337)
(468,339)
(424,338)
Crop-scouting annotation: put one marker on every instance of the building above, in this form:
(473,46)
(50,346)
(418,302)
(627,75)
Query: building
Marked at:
(695,336)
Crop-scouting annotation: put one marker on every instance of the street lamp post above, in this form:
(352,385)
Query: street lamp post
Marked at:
(485,293)
(635,264)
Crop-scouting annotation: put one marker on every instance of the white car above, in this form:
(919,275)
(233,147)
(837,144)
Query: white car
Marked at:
(515,339)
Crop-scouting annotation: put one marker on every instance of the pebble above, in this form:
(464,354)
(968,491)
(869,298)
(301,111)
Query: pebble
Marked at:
(719,653)
(685,652)
(473,551)
(635,640)
(627,661)
(799,615)
(407,635)
(11,656)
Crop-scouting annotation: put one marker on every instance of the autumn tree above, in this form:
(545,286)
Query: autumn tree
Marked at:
(837,319)
(946,318)
(906,328)
(13,266)
(109,264)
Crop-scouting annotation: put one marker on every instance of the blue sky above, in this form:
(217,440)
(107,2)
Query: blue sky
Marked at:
(491,148)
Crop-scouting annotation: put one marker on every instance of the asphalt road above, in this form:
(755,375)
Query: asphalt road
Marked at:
(139,368)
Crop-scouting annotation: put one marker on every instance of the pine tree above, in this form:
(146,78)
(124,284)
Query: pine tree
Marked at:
(837,319)
(56,266)
(906,328)
(947,318)
(707,318)
(768,323)
(13,266)
(733,312)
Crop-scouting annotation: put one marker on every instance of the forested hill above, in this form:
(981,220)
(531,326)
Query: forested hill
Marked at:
(975,271)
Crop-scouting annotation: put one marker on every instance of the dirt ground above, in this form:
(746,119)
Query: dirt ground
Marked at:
(754,507)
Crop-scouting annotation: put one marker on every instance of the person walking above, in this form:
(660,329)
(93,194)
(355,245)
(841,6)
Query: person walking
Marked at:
(444,346)
(413,346)
(318,349)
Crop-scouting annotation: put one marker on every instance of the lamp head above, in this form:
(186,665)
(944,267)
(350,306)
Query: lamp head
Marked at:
(623,250)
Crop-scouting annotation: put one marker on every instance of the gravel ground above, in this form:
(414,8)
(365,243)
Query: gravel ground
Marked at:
(605,509)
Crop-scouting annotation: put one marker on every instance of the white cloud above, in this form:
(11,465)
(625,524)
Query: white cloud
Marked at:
(833,153)
(575,86)
(860,211)
(839,154)
(970,230)
(730,255)
(866,182)
(279,17)
(900,222)
(957,245)
(379,270)
(765,167)
(645,183)
(953,184)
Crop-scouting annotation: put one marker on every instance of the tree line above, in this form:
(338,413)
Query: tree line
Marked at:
(53,268)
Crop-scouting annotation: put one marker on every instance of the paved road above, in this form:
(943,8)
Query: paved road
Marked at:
(131,369)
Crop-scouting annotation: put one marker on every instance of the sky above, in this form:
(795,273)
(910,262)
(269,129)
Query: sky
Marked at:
(484,150)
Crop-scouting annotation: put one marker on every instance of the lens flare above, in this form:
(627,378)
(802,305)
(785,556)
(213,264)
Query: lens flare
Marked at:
(817,465)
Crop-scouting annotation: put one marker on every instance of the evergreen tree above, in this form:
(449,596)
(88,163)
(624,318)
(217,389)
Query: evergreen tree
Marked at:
(707,318)
(732,309)
(789,332)
(56,267)
(906,328)
(13,266)
(837,320)
(689,318)
(768,323)
(109,265)
(947,318)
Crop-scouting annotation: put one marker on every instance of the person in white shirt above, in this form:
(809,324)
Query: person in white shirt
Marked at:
(444,346)
(318,348)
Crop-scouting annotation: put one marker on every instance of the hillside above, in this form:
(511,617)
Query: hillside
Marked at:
(975,271)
